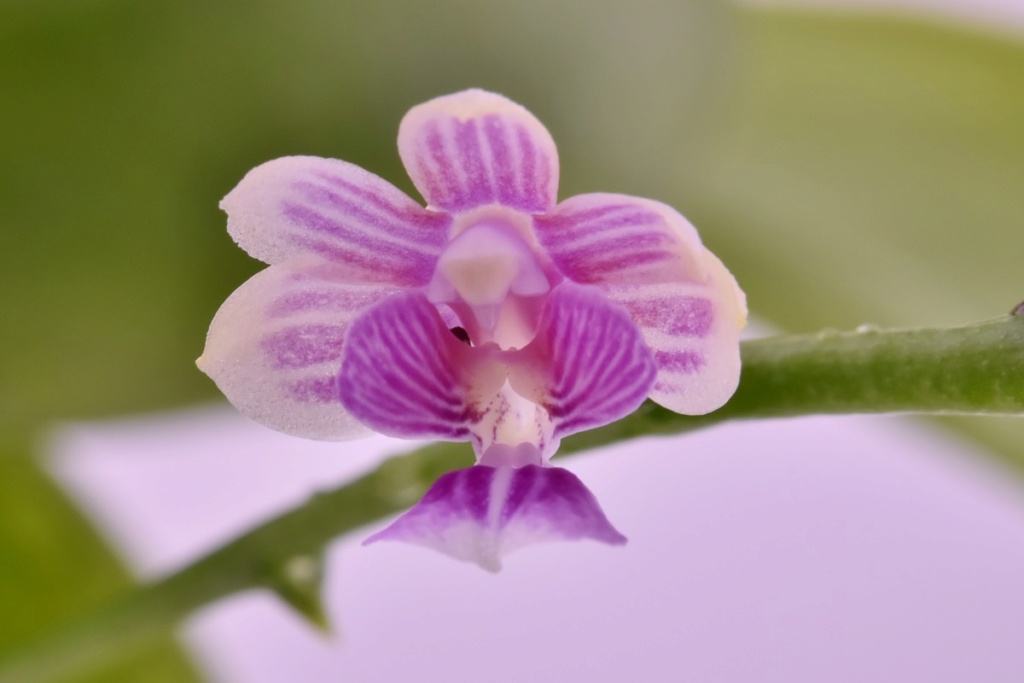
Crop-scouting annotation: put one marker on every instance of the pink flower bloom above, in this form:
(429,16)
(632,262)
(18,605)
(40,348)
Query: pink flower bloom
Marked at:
(493,315)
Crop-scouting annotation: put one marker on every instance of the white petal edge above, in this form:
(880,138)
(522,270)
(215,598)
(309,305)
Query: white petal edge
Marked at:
(273,348)
(338,211)
(707,383)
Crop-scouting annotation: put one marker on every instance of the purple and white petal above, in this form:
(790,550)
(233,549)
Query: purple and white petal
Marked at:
(341,213)
(588,364)
(275,346)
(406,374)
(475,148)
(693,330)
(607,239)
(481,514)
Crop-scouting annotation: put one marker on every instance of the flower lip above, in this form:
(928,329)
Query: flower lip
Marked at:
(480,514)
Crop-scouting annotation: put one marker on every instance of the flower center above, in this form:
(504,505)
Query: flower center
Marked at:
(493,281)
(515,432)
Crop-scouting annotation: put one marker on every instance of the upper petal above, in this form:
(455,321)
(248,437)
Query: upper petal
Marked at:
(406,374)
(481,514)
(476,147)
(275,346)
(338,211)
(693,330)
(588,365)
(617,239)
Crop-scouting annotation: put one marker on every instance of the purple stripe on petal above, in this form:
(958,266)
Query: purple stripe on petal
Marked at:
(501,159)
(481,514)
(362,244)
(291,206)
(276,345)
(307,300)
(430,184)
(637,263)
(557,501)
(475,491)
(426,382)
(408,216)
(304,345)
(409,406)
(370,269)
(368,222)
(614,242)
(600,367)
(520,492)
(617,240)
(468,143)
(476,148)
(528,155)
(561,231)
(443,167)
(574,222)
(315,390)
(679,362)
(681,316)
(615,253)
(400,373)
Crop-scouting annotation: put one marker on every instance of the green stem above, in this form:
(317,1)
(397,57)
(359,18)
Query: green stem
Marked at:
(977,369)
(973,370)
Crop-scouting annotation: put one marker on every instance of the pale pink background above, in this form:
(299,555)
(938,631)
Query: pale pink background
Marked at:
(825,549)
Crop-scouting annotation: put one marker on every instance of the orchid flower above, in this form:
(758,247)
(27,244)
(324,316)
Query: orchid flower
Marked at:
(494,315)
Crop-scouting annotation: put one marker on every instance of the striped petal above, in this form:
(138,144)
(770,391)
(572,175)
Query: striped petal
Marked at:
(338,211)
(406,374)
(693,330)
(475,148)
(275,346)
(481,514)
(607,239)
(588,364)
(647,257)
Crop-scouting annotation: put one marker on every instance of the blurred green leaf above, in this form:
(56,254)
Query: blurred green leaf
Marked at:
(53,567)
(128,121)
(869,170)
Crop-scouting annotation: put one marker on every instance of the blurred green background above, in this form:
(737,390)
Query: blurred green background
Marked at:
(848,168)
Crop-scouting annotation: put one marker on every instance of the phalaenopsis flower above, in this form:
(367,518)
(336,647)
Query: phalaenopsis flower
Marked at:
(494,315)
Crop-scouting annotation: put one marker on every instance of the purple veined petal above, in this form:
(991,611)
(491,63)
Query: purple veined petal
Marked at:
(274,348)
(406,374)
(481,514)
(607,239)
(693,331)
(588,365)
(474,148)
(341,213)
